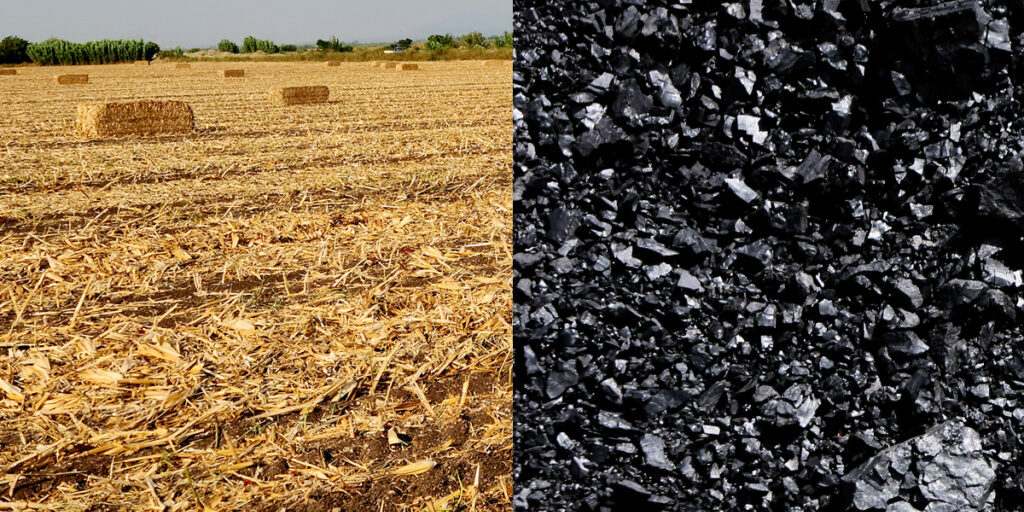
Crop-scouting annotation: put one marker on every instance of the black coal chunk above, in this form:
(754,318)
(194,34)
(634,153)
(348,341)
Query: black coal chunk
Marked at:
(908,293)
(606,133)
(943,469)
(653,448)
(562,223)
(560,381)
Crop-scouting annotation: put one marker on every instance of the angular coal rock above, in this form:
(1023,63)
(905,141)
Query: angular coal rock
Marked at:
(796,406)
(606,133)
(631,103)
(653,448)
(905,342)
(647,246)
(997,200)
(741,190)
(999,275)
(668,95)
(624,253)
(813,166)
(666,400)
(908,293)
(687,281)
(944,46)
(562,223)
(691,240)
(758,253)
(963,291)
(632,489)
(560,381)
(655,272)
(943,469)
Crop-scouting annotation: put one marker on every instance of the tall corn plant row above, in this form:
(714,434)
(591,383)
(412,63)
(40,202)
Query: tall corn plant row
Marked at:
(58,51)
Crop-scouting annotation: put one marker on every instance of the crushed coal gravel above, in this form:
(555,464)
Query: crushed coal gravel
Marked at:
(768,255)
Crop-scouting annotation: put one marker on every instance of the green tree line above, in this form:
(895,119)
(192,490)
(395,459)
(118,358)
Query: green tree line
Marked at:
(251,44)
(15,50)
(59,51)
(470,40)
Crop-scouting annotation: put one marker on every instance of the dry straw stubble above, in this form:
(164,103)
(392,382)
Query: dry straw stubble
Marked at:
(187,234)
(74,78)
(8,71)
(233,73)
(135,118)
(299,95)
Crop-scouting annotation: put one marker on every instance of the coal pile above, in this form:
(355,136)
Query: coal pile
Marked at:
(768,255)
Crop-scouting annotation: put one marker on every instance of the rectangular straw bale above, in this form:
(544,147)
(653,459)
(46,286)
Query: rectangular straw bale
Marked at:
(299,95)
(147,117)
(183,65)
(76,78)
(8,71)
(333,63)
(234,73)
(407,66)
(390,65)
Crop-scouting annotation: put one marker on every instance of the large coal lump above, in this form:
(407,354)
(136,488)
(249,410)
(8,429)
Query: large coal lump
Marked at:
(943,469)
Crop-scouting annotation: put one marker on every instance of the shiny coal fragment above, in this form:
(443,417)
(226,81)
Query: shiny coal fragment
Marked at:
(560,381)
(944,468)
(741,190)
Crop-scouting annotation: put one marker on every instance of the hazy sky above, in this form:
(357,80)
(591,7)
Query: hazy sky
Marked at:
(205,22)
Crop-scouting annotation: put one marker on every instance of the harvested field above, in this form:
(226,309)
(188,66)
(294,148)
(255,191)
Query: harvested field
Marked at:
(72,78)
(236,318)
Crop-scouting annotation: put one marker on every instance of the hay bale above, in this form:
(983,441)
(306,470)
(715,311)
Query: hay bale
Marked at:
(299,95)
(233,73)
(495,62)
(390,65)
(333,63)
(75,78)
(8,71)
(183,65)
(147,117)
(408,66)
